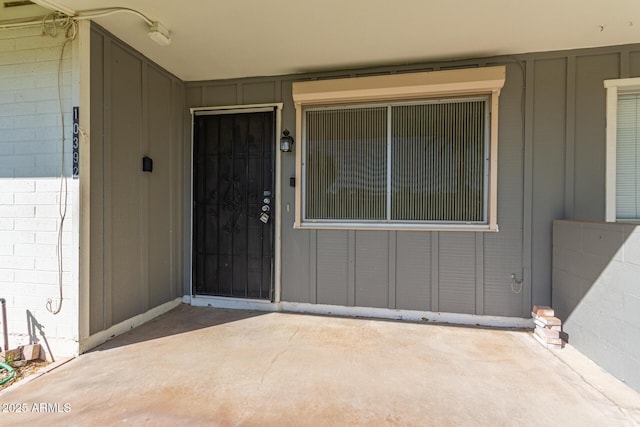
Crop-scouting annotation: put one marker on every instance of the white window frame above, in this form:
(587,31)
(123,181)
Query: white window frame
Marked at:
(485,81)
(614,88)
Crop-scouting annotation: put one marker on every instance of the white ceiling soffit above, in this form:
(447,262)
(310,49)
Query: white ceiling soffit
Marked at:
(16,10)
(229,38)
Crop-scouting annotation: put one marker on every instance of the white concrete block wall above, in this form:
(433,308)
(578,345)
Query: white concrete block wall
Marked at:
(30,169)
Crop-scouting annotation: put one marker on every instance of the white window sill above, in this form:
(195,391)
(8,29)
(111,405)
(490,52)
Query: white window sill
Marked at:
(308,225)
(627,221)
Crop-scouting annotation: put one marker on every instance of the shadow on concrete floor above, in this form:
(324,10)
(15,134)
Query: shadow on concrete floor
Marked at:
(180,320)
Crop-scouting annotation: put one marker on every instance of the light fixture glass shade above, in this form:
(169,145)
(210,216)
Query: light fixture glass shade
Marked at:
(286,142)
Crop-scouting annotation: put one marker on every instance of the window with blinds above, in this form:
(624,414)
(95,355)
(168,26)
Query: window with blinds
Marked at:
(413,162)
(628,157)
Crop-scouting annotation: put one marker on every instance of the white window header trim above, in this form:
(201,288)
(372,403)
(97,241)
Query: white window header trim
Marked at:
(401,86)
(623,84)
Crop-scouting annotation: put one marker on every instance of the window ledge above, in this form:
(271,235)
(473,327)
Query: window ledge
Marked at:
(395,227)
(627,220)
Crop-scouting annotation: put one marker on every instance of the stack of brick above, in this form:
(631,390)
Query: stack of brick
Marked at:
(20,356)
(548,327)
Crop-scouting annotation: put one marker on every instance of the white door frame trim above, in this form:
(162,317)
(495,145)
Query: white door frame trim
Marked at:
(277,248)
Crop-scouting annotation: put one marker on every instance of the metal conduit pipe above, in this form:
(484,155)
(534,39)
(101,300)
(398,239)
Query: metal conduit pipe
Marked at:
(5,333)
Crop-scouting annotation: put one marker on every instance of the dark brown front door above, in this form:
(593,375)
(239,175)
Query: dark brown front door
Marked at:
(233,204)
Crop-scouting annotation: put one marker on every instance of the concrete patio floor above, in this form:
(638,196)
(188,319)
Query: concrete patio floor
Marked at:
(203,366)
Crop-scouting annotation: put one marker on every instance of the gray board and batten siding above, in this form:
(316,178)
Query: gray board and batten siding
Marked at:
(136,258)
(551,166)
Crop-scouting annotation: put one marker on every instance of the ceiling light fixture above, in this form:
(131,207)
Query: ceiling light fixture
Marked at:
(159,34)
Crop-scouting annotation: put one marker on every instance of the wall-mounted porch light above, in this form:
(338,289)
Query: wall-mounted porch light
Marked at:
(286,142)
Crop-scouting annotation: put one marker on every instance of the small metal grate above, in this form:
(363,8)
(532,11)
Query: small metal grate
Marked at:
(18,3)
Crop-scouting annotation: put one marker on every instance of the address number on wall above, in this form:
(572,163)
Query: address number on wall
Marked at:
(76,142)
